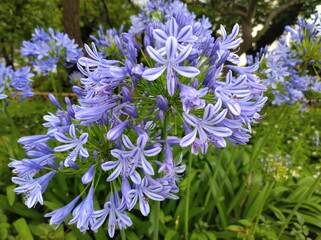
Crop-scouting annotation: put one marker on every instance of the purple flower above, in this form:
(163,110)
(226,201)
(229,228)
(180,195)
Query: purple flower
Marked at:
(171,63)
(89,175)
(206,127)
(83,212)
(59,215)
(145,189)
(33,188)
(190,97)
(117,216)
(123,166)
(73,142)
(49,49)
(138,153)
(115,132)
(182,36)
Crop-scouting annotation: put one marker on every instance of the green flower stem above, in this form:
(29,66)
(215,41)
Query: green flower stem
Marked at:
(122,234)
(155,219)
(187,195)
(53,82)
(307,195)
(156,206)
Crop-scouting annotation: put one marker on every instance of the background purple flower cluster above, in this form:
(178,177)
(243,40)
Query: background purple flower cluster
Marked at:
(14,83)
(135,115)
(48,50)
(294,67)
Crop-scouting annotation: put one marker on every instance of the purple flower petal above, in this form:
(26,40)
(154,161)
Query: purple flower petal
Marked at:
(72,131)
(152,152)
(154,54)
(154,196)
(188,139)
(84,152)
(173,27)
(109,165)
(191,119)
(189,72)
(153,73)
(219,118)
(171,47)
(144,206)
(127,142)
(89,175)
(147,166)
(115,173)
(135,177)
(115,132)
(141,141)
(83,138)
(209,112)
(62,138)
(160,35)
(66,147)
(183,54)
(171,82)
(185,33)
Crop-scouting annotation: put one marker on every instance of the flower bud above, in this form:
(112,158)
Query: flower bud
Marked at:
(162,103)
(89,175)
(54,100)
(115,132)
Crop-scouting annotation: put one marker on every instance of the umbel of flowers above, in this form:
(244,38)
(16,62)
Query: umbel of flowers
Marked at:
(134,114)
(49,50)
(294,67)
(13,83)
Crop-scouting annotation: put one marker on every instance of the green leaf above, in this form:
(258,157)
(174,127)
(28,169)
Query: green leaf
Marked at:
(198,236)
(70,236)
(3,233)
(11,195)
(19,208)
(210,235)
(171,235)
(300,218)
(23,229)
(235,228)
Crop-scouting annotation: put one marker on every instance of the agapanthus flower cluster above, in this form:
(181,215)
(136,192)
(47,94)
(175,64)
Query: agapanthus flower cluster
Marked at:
(48,49)
(158,11)
(294,67)
(13,83)
(137,119)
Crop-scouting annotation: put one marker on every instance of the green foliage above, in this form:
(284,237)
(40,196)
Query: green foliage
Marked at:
(19,18)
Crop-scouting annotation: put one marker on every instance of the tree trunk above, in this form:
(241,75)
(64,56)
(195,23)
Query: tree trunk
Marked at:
(71,18)
(247,37)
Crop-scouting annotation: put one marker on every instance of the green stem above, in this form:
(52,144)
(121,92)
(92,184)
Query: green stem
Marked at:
(53,82)
(155,219)
(188,192)
(122,234)
(156,207)
(13,126)
(307,195)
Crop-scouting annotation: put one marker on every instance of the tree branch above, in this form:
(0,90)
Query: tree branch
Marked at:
(234,13)
(107,13)
(272,15)
(133,5)
(240,5)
